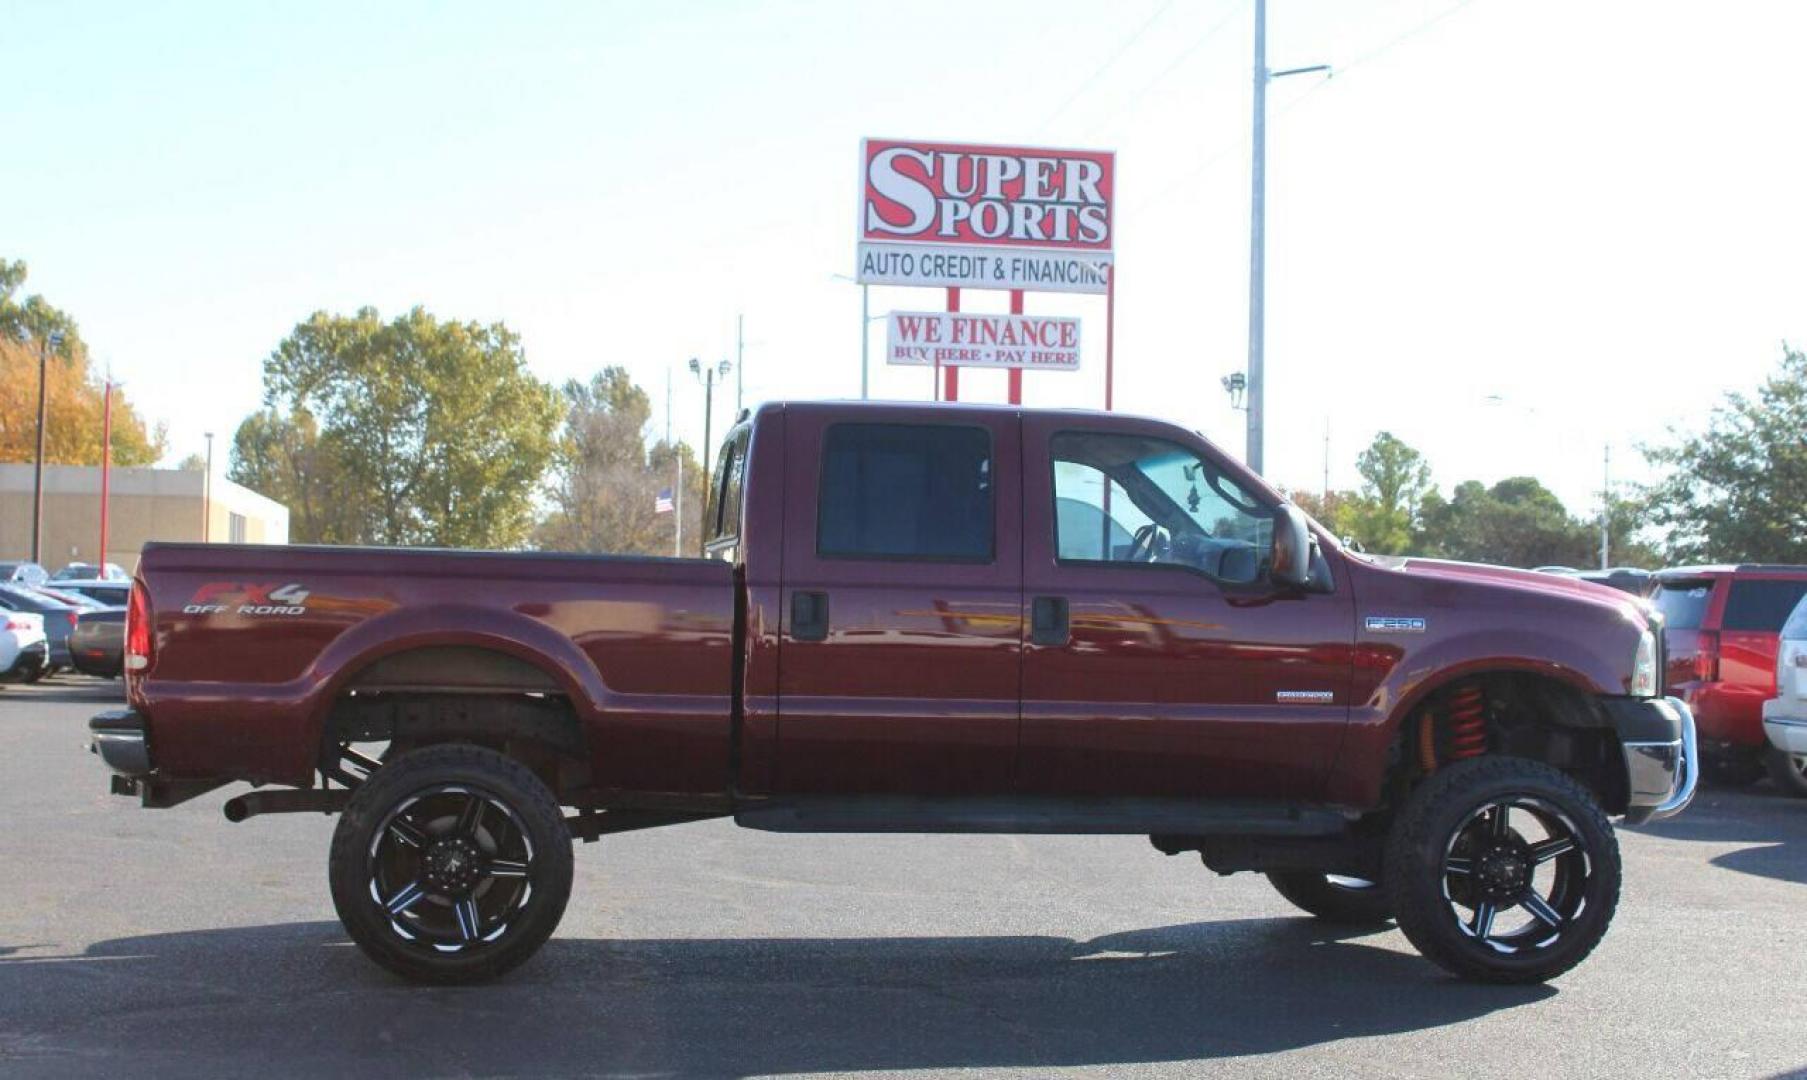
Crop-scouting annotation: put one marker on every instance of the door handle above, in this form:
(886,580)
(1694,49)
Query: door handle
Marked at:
(809,615)
(1048,620)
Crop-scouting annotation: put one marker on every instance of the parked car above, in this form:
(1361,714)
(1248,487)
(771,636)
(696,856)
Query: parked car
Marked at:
(110,593)
(24,651)
(98,645)
(60,619)
(900,633)
(1723,627)
(26,573)
(1785,715)
(81,571)
(1623,578)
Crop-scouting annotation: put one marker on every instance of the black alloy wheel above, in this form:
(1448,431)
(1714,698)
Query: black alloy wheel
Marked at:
(451,864)
(1503,870)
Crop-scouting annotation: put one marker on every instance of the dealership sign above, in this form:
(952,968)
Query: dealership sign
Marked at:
(955,339)
(985,217)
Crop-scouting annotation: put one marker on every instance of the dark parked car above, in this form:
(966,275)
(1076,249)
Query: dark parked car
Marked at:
(59,619)
(98,645)
(24,572)
(923,619)
(81,571)
(110,593)
(1623,578)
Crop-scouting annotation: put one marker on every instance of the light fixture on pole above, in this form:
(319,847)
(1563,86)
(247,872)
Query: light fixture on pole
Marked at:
(46,342)
(1236,384)
(707,375)
(1257,373)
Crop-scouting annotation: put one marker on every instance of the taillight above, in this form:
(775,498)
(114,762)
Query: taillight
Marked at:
(17,624)
(1706,661)
(138,629)
(70,615)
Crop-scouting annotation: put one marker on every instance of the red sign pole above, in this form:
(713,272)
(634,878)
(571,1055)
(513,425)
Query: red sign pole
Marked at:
(953,370)
(1016,374)
(106,464)
(1110,333)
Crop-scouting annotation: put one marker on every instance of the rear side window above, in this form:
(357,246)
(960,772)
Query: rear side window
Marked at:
(905,491)
(729,482)
(1761,605)
(1683,602)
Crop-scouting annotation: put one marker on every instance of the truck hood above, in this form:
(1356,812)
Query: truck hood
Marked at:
(1523,581)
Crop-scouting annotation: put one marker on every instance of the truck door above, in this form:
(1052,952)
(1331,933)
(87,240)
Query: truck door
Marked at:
(1160,660)
(902,603)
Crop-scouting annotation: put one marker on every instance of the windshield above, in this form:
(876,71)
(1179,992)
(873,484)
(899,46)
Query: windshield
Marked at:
(1683,602)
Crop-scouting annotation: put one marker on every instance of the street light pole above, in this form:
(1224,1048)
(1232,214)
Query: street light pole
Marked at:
(207,494)
(706,375)
(46,342)
(1257,373)
(865,342)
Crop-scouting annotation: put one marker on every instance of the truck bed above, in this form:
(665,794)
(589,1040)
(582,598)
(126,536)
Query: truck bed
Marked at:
(641,647)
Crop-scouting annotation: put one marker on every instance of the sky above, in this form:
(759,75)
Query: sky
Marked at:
(1515,233)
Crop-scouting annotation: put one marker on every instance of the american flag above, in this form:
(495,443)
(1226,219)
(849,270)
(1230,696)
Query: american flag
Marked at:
(662,504)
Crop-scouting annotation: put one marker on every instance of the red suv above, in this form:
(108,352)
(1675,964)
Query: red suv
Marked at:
(1723,626)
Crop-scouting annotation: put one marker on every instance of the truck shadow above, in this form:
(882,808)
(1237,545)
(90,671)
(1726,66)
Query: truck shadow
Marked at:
(209,1002)
(1764,817)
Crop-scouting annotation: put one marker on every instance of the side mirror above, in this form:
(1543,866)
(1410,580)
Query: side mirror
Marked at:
(1291,560)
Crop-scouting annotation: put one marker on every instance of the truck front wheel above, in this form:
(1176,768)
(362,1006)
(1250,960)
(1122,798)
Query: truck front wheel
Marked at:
(1334,899)
(451,864)
(1503,869)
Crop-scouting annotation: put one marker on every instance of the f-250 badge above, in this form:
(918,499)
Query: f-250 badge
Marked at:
(242,598)
(1395,624)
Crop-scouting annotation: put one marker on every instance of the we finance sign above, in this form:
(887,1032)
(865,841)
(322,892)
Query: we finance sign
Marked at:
(956,339)
(986,217)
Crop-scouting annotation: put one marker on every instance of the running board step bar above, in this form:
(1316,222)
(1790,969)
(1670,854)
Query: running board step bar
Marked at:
(1132,817)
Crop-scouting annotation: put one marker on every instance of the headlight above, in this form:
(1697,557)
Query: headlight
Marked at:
(1643,667)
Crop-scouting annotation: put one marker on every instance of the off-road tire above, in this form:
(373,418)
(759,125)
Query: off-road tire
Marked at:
(1785,769)
(1420,843)
(505,782)
(1317,894)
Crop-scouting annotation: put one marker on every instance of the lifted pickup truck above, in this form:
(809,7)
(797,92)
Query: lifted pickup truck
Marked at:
(922,618)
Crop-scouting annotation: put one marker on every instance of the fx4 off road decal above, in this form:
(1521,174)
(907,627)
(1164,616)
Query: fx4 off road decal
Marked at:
(243,598)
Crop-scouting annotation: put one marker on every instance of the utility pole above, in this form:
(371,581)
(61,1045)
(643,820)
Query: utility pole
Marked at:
(706,376)
(1326,460)
(740,363)
(207,494)
(865,342)
(106,465)
(1605,507)
(46,342)
(1257,374)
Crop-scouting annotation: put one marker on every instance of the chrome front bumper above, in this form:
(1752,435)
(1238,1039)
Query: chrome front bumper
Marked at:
(1662,758)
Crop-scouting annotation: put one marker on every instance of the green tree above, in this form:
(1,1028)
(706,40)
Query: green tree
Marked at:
(606,480)
(412,431)
(1395,478)
(1737,491)
(1516,522)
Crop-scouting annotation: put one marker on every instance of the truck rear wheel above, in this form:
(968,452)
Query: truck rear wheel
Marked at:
(451,864)
(1334,899)
(1503,869)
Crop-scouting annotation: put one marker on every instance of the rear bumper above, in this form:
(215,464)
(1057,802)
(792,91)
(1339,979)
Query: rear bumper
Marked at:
(32,659)
(1785,724)
(1662,756)
(119,737)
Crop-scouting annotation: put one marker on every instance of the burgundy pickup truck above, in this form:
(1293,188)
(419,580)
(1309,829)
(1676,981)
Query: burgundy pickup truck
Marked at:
(924,618)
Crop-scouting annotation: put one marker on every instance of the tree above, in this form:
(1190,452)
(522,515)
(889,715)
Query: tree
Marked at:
(606,480)
(1738,490)
(1395,478)
(73,397)
(1517,522)
(192,463)
(413,431)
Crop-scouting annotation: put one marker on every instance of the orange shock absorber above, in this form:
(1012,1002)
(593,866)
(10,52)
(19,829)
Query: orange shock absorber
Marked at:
(1467,723)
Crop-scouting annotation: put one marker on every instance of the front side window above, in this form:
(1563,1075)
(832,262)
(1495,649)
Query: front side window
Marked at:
(905,491)
(1130,499)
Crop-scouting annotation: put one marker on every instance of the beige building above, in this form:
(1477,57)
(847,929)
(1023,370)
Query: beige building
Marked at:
(146,504)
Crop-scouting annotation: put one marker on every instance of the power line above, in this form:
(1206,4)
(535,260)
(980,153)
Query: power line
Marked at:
(1172,66)
(1106,66)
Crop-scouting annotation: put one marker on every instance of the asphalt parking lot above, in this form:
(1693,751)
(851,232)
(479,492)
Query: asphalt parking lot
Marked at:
(152,943)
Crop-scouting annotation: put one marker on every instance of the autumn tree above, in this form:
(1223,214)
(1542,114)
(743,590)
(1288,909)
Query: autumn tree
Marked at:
(412,431)
(606,480)
(1737,490)
(74,398)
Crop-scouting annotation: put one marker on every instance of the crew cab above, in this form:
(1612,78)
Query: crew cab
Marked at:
(923,618)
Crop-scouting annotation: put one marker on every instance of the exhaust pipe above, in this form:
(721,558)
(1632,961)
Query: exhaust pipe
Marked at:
(292,801)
